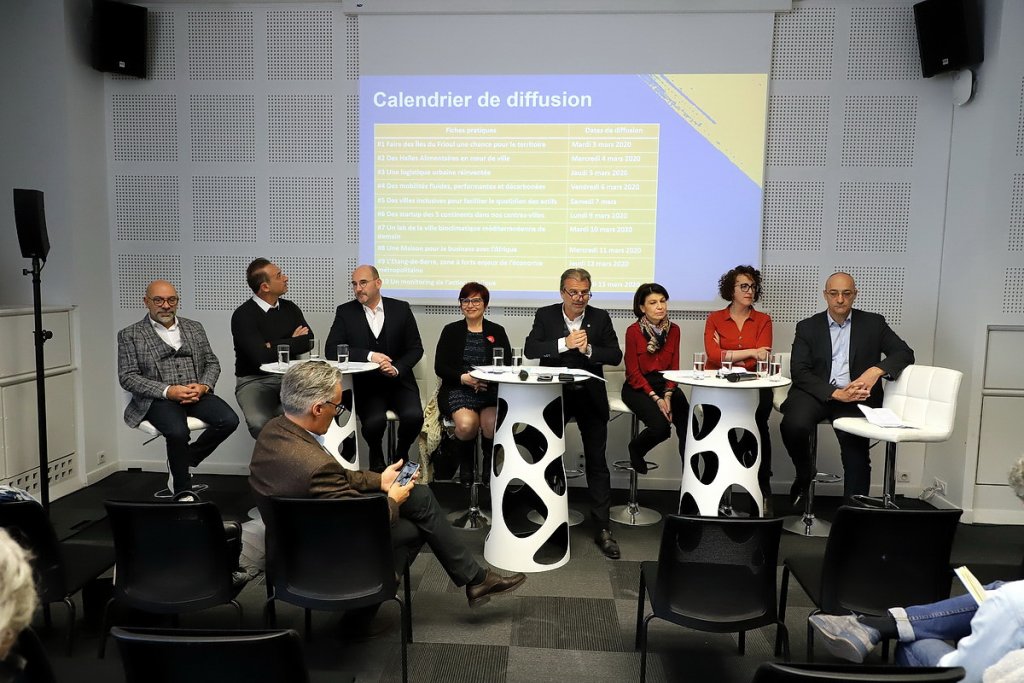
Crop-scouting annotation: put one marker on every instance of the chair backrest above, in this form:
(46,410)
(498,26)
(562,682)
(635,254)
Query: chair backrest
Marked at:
(37,664)
(925,396)
(719,571)
(27,523)
(614,378)
(777,672)
(206,656)
(170,557)
(322,552)
(878,558)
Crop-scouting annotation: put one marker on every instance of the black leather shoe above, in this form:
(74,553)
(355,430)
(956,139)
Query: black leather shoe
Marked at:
(637,461)
(493,584)
(607,544)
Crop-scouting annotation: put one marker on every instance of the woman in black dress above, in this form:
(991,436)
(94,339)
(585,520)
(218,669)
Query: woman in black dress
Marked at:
(470,403)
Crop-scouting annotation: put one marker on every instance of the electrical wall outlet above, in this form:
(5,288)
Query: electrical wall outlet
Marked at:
(903,477)
(939,486)
(101,457)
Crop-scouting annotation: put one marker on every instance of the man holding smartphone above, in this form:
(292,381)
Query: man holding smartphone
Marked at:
(290,460)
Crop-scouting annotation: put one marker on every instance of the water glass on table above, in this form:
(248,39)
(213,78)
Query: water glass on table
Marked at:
(343,356)
(763,363)
(726,362)
(498,357)
(284,355)
(775,368)
(517,356)
(700,359)
(314,350)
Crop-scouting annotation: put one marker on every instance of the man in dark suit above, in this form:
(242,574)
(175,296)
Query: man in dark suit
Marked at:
(838,357)
(167,365)
(290,460)
(571,334)
(265,321)
(381,330)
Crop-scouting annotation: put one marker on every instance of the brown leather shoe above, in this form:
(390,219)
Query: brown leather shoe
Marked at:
(607,544)
(493,584)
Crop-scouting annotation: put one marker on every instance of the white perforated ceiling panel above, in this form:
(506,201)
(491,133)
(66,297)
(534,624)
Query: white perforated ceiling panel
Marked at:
(883,44)
(873,217)
(802,44)
(136,271)
(147,208)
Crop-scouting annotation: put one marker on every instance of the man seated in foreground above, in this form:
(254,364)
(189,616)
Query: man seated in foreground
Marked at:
(290,460)
(985,632)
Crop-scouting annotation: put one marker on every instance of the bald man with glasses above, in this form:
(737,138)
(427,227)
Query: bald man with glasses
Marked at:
(839,356)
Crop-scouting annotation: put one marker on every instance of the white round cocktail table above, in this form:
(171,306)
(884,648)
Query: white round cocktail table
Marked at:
(717,453)
(529,442)
(344,426)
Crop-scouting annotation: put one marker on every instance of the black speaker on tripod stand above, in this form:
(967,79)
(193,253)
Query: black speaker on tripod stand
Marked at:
(35,244)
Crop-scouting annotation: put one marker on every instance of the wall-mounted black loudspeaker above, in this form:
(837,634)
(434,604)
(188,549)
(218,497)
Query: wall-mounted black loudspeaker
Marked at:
(949,35)
(31,222)
(119,38)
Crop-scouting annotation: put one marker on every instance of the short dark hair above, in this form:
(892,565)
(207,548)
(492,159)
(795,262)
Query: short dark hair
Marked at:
(255,274)
(475,288)
(644,291)
(574,273)
(727,283)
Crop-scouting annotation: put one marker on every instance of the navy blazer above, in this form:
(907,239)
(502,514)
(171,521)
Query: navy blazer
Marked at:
(871,338)
(401,335)
(549,326)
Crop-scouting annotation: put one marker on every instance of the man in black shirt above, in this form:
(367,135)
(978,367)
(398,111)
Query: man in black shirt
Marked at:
(257,327)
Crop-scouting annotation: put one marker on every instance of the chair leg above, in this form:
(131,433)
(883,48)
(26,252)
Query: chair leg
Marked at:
(105,628)
(742,642)
(408,604)
(885,650)
(642,592)
(238,608)
(406,637)
(643,648)
(71,624)
(781,640)
(783,593)
(270,613)
(309,626)
(47,617)
(810,635)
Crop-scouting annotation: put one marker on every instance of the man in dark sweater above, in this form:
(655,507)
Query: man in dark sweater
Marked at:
(257,327)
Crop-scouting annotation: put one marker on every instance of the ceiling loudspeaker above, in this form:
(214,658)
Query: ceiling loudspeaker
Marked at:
(949,35)
(119,38)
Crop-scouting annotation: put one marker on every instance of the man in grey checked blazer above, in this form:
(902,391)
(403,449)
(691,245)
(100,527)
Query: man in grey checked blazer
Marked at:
(168,366)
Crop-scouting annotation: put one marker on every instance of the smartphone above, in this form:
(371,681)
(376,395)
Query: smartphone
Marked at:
(407,472)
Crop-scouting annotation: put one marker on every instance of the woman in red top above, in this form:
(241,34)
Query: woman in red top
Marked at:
(652,345)
(747,334)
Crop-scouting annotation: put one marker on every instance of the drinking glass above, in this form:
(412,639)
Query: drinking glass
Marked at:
(726,362)
(499,357)
(699,360)
(284,354)
(775,368)
(762,368)
(314,351)
(517,356)
(343,356)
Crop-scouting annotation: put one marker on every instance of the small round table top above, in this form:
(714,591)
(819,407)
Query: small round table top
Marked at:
(710,380)
(351,368)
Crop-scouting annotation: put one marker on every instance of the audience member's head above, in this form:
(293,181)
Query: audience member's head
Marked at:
(307,385)
(17,592)
(1016,478)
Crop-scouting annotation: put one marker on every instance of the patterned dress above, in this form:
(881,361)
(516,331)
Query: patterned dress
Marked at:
(473,353)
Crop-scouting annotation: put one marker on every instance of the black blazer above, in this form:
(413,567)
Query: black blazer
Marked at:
(402,337)
(870,339)
(549,326)
(448,360)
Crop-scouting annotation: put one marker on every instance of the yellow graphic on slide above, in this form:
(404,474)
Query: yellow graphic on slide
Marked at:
(727,109)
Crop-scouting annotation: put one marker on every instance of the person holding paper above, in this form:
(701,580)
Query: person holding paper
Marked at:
(652,345)
(838,357)
(574,335)
(471,403)
(985,632)
(747,334)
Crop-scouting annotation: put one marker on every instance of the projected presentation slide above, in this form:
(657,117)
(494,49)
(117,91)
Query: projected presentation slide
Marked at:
(509,180)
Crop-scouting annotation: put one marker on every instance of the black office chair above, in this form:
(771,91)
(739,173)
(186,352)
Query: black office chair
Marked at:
(875,559)
(37,667)
(62,568)
(773,672)
(333,554)
(152,655)
(713,574)
(172,558)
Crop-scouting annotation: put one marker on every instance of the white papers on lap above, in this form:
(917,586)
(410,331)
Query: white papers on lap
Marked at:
(882,417)
(971,583)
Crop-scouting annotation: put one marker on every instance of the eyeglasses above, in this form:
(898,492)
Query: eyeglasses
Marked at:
(472,301)
(747,287)
(160,301)
(338,408)
(578,295)
(356,284)
(845,293)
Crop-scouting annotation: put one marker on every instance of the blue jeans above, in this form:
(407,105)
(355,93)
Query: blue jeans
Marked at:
(923,629)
